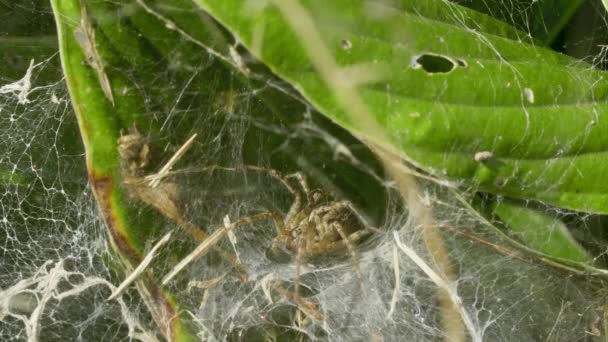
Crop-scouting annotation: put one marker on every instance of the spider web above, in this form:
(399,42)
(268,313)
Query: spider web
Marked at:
(57,270)
(52,239)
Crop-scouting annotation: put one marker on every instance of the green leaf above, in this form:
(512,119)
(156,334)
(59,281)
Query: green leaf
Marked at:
(532,110)
(541,231)
(99,120)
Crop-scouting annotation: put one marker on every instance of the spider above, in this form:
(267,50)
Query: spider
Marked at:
(315,224)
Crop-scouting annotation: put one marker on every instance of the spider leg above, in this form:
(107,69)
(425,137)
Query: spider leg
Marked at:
(296,206)
(308,306)
(329,208)
(280,222)
(299,255)
(346,239)
(303,183)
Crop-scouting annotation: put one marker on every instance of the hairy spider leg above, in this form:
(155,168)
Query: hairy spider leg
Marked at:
(310,308)
(298,268)
(302,180)
(296,206)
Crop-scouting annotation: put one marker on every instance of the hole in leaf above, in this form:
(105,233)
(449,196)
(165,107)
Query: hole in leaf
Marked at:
(435,63)
(346,44)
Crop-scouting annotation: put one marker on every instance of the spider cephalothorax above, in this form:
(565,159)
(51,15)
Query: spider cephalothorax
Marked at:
(320,225)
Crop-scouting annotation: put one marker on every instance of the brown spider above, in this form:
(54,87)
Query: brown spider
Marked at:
(319,225)
(315,224)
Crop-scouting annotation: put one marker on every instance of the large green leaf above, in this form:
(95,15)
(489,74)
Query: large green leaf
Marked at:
(539,114)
